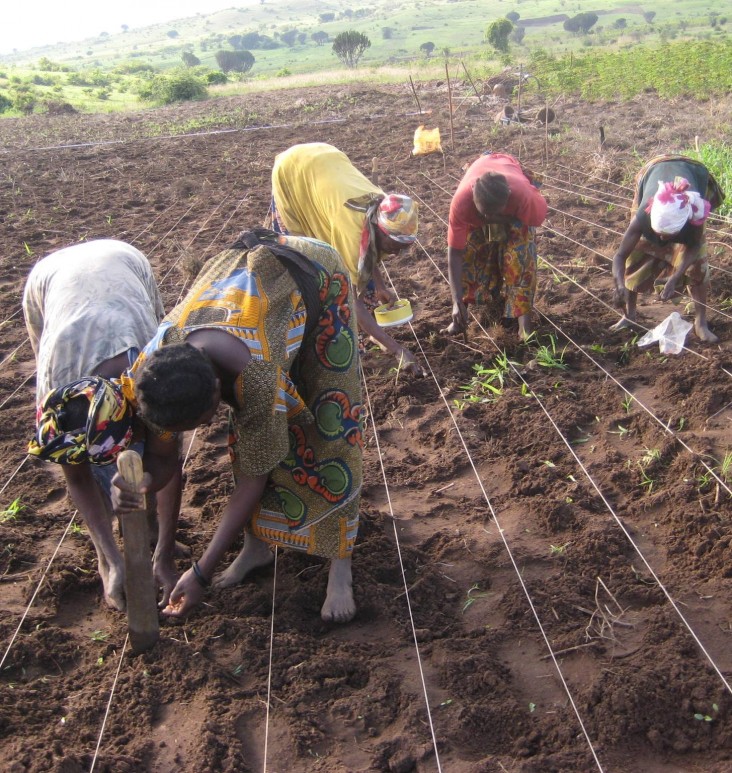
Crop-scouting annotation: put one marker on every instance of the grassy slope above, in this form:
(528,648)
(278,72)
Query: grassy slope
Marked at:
(457,26)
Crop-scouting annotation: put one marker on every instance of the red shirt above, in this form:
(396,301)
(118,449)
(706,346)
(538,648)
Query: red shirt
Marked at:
(525,203)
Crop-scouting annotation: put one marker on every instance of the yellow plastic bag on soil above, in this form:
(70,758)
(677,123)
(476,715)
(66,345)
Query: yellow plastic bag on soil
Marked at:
(426,141)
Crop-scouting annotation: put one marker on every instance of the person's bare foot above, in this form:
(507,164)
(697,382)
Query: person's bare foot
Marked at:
(339,605)
(253,555)
(705,334)
(113,580)
(625,323)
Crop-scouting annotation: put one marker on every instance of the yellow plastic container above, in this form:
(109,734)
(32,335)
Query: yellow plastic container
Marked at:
(426,141)
(398,314)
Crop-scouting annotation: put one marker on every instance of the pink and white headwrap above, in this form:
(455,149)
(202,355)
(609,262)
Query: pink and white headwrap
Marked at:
(674,205)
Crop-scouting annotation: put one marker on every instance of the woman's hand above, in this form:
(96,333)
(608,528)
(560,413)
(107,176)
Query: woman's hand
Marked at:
(186,595)
(126,497)
(165,575)
(669,288)
(459,319)
(385,295)
(620,296)
(408,363)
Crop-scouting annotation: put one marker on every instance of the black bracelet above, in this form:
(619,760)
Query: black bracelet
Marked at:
(202,581)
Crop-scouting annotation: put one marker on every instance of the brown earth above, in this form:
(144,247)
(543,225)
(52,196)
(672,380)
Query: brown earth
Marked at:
(452,673)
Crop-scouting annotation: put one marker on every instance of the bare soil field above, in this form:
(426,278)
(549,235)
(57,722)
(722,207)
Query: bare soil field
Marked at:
(543,578)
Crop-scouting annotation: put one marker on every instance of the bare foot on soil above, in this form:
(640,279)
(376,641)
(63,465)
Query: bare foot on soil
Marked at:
(339,606)
(624,324)
(113,580)
(705,334)
(253,555)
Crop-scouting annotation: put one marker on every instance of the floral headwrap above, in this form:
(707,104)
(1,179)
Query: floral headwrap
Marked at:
(674,205)
(108,428)
(397,217)
(394,215)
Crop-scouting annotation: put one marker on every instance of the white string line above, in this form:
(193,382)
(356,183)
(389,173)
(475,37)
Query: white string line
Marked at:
(109,704)
(665,426)
(712,216)
(589,476)
(609,506)
(211,132)
(16,471)
(578,194)
(616,312)
(394,520)
(36,591)
(583,220)
(604,257)
(271,659)
(503,538)
(619,233)
(7,319)
(22,384)
(12,354)
(629,188)
(63,537)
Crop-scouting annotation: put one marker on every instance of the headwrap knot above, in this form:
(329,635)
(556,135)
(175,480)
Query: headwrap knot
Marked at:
(107,431)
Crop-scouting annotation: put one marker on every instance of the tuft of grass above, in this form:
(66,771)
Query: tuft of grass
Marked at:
(12,511)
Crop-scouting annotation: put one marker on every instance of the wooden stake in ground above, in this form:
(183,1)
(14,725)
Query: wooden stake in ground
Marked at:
(142,608)
(449,99)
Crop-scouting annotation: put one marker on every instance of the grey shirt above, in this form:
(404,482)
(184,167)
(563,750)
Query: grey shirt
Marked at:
(85,304)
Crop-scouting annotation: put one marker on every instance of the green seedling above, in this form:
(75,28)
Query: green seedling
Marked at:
(707,717)
(627,403)
(27,248)
(237,671)
(621,431)
(646,481)
(550,356)
(76,529)
(558,550)
(532,708)
(682,423)
(12,511)
(650,455)
(487,384)
(725,469)
(472,596)
(99,636)
(598,349)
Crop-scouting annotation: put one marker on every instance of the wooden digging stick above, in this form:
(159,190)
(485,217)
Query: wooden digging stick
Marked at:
(142,608)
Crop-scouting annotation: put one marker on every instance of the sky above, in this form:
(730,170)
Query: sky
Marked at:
(43,22)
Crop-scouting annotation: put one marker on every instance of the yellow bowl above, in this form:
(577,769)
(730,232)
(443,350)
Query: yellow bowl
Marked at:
(398,314)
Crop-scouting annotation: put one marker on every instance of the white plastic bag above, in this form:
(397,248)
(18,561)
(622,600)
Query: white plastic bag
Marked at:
(670,334)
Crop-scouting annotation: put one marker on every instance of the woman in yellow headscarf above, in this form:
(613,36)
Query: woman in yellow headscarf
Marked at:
(318,192)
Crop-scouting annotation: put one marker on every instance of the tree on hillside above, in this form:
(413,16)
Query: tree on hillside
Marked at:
(235,61)
(512,16)
(620,24)
(387,33)
(179,85)
(582,22)
(125,27)
(172,33)
(517,36)
(427,48)
(349,47)
(497,34)
(289,37)
(649,16)
(320,37)
(324,17)
(190,59)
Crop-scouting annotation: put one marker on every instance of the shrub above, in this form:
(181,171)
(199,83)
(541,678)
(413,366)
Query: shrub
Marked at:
(178,85)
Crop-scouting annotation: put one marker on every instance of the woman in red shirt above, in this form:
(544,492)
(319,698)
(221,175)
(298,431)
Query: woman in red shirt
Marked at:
(491,245)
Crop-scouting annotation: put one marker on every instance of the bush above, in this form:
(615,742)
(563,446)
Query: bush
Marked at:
(5,103)
(215,77)
(178,85)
